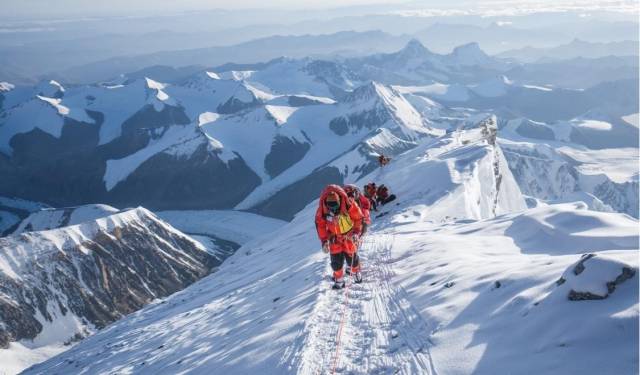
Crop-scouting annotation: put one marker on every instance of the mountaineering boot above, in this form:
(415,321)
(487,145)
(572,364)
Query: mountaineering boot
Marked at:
(358,277)
(347,270)
(339,284)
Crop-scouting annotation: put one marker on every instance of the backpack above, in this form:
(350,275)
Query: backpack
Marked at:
(345,224)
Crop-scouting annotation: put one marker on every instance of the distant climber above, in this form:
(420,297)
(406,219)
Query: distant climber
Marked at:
(383,160)
(382,195)
(370,191)
(339,226)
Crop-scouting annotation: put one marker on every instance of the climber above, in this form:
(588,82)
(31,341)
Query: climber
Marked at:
(365,206)
(383,160)
(382,195)
(370,191)
(339,226)
(362,201)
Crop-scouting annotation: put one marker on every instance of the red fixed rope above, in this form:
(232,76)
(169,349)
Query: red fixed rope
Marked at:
(342,320)
(344,310)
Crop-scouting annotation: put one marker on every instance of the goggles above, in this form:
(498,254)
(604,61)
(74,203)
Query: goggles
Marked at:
(333,205)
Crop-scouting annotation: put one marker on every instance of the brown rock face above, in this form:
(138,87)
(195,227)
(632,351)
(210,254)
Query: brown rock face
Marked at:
(98,271)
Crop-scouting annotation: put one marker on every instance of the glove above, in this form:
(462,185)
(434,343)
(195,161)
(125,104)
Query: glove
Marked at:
(325,247)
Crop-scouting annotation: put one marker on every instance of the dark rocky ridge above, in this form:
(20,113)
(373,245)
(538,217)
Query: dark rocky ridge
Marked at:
(116,266)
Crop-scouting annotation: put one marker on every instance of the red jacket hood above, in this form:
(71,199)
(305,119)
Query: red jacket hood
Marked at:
(341,193)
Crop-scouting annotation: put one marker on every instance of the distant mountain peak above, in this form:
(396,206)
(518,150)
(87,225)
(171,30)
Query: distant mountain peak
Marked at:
(578,41)
(469,54)
(472,47)
(414,49)
(367,91)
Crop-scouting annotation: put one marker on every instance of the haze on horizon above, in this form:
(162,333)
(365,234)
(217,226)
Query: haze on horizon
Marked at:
(81,42)
(43,9)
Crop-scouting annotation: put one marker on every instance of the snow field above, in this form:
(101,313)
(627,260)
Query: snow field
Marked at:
(382,332)
(488,291)
(474,292)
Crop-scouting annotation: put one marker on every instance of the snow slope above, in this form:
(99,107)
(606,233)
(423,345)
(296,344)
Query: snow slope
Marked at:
(438,298)
(179,141)
(452,296)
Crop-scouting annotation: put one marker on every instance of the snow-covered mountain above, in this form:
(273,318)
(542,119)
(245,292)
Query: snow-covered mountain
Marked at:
(264,137)
(197,131)
(13,210)
(576,48)
(60,285)
(416,65)
(459,278)
(55,218)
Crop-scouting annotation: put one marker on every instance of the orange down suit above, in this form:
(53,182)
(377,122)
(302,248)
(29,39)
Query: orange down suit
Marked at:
(328,226)
(365,207)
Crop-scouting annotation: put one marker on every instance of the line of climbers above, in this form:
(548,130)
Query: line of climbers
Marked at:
(342,218)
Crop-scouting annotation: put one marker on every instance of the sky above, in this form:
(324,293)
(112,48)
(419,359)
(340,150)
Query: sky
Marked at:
(44,8)
(38,9)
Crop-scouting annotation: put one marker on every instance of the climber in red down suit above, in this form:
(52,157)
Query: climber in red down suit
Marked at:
(339,226)
(363,202)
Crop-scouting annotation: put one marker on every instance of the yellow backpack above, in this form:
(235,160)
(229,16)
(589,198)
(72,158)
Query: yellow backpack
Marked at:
(344,223)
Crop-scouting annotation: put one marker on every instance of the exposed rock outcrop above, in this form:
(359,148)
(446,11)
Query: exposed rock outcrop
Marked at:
(88,275)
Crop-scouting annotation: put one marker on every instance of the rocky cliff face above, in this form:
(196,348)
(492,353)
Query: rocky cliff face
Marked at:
(58,285)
